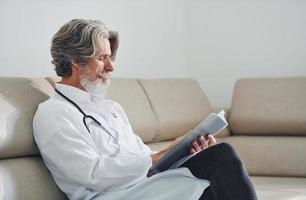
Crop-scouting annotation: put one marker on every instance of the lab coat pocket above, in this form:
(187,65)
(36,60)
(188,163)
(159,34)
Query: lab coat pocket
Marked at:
(115,122)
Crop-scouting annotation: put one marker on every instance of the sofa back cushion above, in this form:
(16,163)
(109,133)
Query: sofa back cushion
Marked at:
(269,106)
(178,104)
(157,109)
(19,98)
(130,95)
(132,98)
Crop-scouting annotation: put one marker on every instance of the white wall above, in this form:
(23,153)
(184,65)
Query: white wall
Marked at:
(152,34)
(245,38)
(215,42)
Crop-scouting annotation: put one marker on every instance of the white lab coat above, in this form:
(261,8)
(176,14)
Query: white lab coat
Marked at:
(93,165)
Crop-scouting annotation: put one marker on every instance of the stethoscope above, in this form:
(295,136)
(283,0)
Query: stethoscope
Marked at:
(85,116)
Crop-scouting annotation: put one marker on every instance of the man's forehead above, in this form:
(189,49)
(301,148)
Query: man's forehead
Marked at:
(106,50)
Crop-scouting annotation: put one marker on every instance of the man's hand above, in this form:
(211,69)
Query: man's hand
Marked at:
(201,143)
(196,146)
(157,156)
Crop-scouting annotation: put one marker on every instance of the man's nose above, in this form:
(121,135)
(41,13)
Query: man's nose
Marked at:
(109,67)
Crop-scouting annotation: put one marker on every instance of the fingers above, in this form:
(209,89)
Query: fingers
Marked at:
(196,146)
(192,151)
(211,140)
(201,143)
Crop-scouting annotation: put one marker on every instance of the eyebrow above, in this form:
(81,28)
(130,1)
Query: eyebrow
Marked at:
(102,55)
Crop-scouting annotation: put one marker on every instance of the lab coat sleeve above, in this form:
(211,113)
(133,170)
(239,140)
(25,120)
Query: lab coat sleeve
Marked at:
(145,148)
(70,150)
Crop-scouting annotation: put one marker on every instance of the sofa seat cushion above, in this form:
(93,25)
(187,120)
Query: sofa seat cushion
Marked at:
(158,146)
(280,188)
(27,178)
(271,156)
(262,155)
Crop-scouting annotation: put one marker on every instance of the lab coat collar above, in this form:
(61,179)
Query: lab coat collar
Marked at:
(102,106)
(73,93)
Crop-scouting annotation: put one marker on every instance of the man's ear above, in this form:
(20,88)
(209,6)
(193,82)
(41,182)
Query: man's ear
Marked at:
(74,64)
(75,68)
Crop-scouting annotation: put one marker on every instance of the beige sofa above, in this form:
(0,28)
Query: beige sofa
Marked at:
(267,125)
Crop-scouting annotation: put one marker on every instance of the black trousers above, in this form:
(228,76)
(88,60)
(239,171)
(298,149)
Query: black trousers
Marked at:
(221,165)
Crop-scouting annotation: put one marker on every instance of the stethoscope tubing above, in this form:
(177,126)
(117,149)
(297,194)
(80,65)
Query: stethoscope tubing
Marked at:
(78,107)
(91,117)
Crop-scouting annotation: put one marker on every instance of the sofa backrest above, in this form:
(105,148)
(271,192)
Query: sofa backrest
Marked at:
(19,98)
(130,95)
(178,105)
(22,173)
(269,106)
(268,121)
(157,109)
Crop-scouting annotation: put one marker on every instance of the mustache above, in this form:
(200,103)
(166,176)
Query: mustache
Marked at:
(103,75)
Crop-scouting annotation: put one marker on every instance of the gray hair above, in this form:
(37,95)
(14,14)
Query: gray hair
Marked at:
(78,40)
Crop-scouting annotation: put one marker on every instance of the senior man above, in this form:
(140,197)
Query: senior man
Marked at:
(88,145)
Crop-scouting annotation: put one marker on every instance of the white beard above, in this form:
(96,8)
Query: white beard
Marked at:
(97,85)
